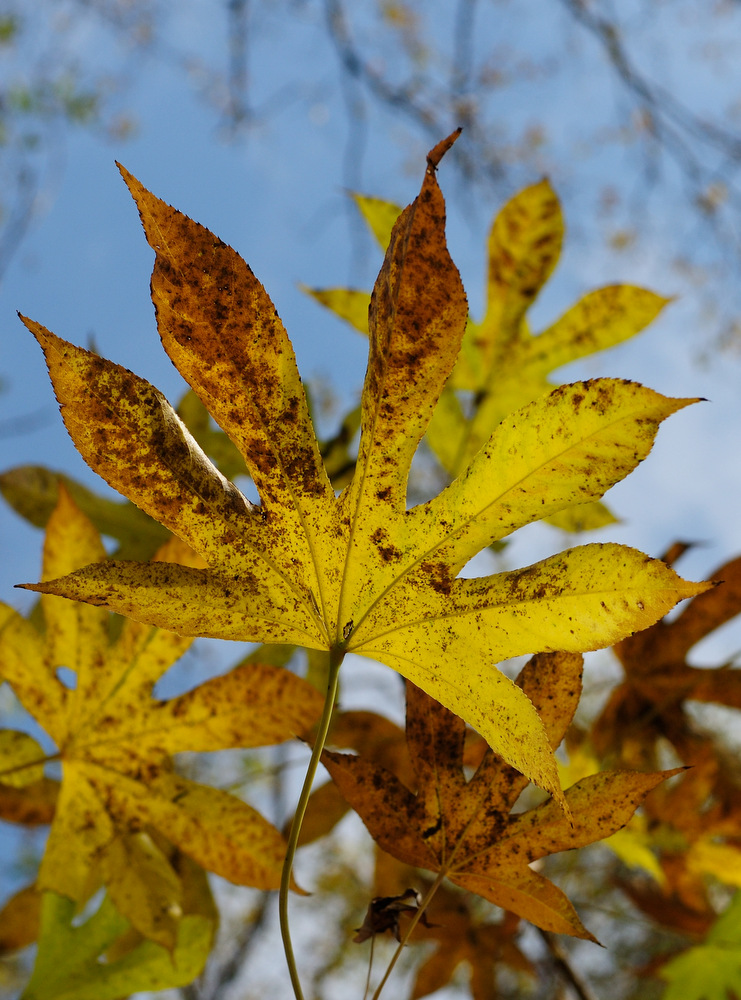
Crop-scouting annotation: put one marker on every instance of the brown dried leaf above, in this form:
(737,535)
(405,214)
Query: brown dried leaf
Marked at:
(465,829)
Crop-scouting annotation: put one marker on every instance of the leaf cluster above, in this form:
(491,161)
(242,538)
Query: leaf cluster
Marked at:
(333,560)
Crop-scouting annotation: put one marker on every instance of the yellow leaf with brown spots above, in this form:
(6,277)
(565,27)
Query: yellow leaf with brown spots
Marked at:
(115,743)
(358,572)
(502,363)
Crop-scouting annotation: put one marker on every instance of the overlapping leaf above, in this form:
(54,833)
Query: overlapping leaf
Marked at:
(20,918)
(711,970)
(31,805)
(377,739)
(359,572)
(502,365)
(649,704)
(78,961)
(115,744)
(634,843)
(33,491)
(465,829)
(501,360)
(454,921)
(695,833)
(461,938)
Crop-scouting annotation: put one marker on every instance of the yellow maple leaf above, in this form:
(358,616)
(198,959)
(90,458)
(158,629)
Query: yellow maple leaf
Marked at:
(115,743)
(502,364)
(359,572)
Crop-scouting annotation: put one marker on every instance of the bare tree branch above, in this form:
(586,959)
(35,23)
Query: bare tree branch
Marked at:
(237,76)
(668,119)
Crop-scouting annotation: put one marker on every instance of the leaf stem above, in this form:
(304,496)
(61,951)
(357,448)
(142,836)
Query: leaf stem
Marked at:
(370,967)
(27,764)
(336,656)
(409,931)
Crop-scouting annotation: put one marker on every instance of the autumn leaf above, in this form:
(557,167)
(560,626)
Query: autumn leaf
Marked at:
(352,304)
(335,450)
(71,961)
(464,829)
(19,919)
(502,364)
(358,573)
(524,248)
(460,931)
(461,938)
(31,805)
(375,738)
(694,827)
(634,843)
(222,452)
(711,970)
(33,491)
(115,743)
(380,216)
(667,910)
(649,705)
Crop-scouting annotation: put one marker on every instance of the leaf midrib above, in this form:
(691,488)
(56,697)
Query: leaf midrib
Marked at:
(450,536)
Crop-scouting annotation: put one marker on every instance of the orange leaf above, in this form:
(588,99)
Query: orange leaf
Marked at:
(465,829)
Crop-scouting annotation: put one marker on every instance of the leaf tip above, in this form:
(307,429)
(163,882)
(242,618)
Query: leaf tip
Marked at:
(136,189)
(45,338)
(437,152)
(123,171)
(28,323)
(564,806)
(680,402)
(703,585)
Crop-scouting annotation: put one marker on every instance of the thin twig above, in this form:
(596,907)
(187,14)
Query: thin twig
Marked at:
(431,116)
(564,967)
(664,107)
(370,967)
(419,913)
(239,111)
